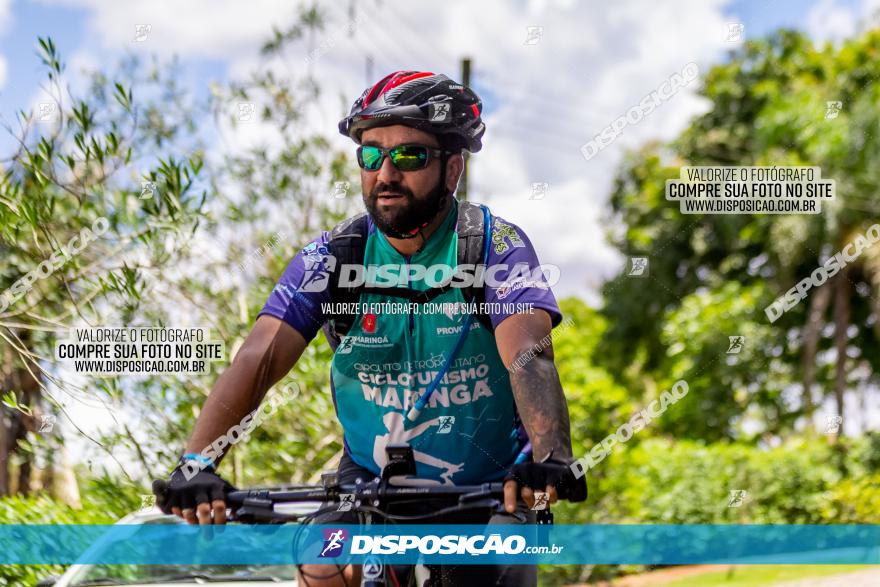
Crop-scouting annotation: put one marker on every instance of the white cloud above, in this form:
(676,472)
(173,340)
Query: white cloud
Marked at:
(5,24)
(5,15)
(543,101)
(829,21)
(192,29)
(589,68)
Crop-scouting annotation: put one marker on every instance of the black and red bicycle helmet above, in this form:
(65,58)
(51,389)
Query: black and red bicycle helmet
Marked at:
(427,101)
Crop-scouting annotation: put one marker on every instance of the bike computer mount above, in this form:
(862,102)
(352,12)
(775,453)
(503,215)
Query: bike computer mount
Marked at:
(401,461)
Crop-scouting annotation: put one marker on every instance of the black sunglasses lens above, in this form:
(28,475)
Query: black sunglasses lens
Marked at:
(409,157)
(370,158)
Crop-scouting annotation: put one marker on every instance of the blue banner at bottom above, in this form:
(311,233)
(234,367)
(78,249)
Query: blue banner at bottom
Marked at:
(172,544)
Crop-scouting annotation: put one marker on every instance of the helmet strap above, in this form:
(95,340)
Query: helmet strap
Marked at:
(440,202)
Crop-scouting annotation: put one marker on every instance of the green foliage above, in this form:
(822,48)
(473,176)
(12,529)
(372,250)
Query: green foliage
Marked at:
(78,170)
(726,387)
(661,481)
(711,276)
(596,403)
(136,125)
(105,500)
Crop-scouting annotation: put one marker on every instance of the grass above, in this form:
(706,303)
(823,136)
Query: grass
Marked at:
(762,575)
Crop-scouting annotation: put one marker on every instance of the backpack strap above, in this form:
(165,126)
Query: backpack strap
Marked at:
(348,244)
(472,249)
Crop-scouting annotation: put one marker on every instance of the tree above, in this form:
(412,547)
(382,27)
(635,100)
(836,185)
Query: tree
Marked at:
(768,106)
(76,233)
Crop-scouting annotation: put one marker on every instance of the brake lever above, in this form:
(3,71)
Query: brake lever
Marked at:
(257,515)
(257,509)
(475,496)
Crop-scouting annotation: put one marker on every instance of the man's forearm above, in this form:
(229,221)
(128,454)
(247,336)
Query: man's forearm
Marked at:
(542,408)
(269,352)
(237,392)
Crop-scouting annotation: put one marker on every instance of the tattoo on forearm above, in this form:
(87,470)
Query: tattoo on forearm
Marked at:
(542,407)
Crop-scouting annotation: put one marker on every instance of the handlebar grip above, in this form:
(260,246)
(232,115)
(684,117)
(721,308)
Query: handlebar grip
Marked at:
(573,488)
(496,489)
(160,490)
(160,487)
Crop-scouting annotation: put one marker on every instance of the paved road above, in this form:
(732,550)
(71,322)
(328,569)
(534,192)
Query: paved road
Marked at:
(869,578)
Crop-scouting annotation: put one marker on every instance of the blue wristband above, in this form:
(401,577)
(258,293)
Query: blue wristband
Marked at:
(204,462)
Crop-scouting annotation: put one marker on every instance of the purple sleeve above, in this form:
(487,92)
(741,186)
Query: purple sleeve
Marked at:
(519,282)
(298,296)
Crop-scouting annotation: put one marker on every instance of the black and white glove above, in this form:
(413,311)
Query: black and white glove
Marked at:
(550,472)
(188,487)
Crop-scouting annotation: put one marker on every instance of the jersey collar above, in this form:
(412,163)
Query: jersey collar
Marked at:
(434,240)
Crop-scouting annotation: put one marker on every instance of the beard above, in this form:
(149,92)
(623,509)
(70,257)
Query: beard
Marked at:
(400,221)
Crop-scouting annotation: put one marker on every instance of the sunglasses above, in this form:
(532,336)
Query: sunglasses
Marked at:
(403,157)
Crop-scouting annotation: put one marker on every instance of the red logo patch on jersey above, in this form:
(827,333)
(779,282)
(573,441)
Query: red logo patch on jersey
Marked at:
(369,323)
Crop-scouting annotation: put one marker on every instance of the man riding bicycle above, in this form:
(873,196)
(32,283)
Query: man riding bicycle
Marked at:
(477,397)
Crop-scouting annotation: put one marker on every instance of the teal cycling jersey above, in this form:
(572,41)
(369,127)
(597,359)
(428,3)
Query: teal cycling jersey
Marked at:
(467,431)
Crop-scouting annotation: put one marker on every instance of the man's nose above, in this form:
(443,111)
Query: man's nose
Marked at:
(388,173)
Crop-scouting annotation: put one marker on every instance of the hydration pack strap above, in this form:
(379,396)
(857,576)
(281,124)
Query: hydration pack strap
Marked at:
(420,404)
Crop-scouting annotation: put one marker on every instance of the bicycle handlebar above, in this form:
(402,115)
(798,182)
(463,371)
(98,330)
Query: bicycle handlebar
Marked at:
(364,492)
(258,505)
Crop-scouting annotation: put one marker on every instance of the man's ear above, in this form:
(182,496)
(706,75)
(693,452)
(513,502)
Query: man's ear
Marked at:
(454,169)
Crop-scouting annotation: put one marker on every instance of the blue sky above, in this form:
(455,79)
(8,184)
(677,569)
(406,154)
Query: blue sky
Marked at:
(68,23)
(762,17)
